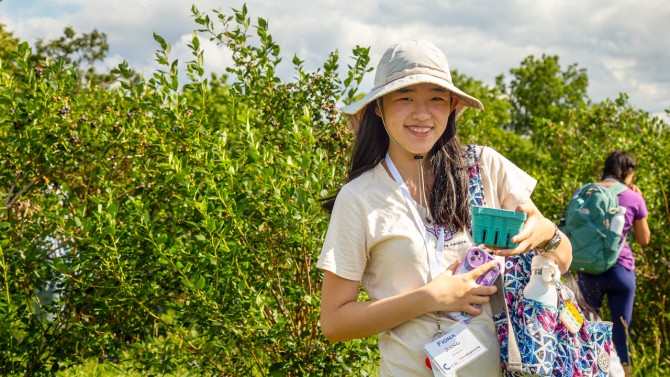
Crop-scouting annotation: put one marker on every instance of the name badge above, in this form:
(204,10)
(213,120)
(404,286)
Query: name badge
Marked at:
(454,350)
(571,317)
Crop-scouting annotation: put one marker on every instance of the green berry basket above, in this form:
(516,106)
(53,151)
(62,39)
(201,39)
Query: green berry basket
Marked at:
(495,227)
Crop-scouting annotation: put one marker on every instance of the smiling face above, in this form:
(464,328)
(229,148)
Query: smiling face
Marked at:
(416,117)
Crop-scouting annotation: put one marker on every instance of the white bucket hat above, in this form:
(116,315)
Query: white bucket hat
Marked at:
(405,64)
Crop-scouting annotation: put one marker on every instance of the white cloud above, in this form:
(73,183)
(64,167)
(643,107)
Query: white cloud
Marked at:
(620,68)
(623,44)
(215,57)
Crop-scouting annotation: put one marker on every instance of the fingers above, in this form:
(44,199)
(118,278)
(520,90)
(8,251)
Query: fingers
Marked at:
(452,267)
(484,268)
(473,309)
(481,295)
(449,292)
(484,291)
(534,232)
(485,297)
(521,247)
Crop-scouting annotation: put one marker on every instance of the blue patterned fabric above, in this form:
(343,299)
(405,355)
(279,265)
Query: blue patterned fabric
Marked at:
(546,346)
(476,189)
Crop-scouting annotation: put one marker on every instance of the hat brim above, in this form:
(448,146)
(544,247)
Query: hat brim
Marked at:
(354,111)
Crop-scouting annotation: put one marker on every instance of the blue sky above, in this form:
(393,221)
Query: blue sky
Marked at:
(623,44)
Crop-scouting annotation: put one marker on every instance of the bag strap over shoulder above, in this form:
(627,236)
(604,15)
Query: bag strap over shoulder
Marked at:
(476,187)
(617,188)
(499,305)
(498,302)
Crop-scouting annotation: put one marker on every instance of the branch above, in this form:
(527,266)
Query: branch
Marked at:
(10,202)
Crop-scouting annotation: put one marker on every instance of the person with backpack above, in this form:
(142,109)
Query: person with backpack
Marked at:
(400,224)
(619,281)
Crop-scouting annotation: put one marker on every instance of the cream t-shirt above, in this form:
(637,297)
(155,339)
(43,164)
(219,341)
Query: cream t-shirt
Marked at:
(372,238)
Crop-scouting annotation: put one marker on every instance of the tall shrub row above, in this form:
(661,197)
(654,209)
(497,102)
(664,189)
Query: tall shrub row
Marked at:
(177,221)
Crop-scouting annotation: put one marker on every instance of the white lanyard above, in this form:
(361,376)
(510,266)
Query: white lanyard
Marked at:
(434,259)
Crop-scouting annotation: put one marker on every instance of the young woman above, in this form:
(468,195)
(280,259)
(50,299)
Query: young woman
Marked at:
(618,283)
(400,225)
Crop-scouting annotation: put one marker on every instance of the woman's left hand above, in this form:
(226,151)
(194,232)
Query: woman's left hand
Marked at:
(537,231)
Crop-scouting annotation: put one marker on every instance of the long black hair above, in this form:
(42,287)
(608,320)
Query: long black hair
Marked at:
(449,195)
(618,165)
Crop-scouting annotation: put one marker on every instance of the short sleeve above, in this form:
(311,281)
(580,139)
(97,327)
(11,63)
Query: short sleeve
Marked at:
(635,204)
(344,248)
(505,184)
(641,212)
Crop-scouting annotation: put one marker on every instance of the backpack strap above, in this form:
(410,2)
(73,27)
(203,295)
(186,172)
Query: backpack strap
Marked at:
(617,188)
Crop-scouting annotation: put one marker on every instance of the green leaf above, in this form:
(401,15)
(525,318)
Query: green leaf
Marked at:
(200,284)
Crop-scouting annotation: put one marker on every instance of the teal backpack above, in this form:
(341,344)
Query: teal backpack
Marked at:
(595,237)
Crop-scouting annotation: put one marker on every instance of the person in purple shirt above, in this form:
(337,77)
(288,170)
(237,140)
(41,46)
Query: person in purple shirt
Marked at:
(618,283)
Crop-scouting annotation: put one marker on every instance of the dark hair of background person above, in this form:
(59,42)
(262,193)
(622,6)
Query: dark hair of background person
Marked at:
(618,165)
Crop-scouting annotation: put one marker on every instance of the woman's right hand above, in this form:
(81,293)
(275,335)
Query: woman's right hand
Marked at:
(343,317)
(449,292)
